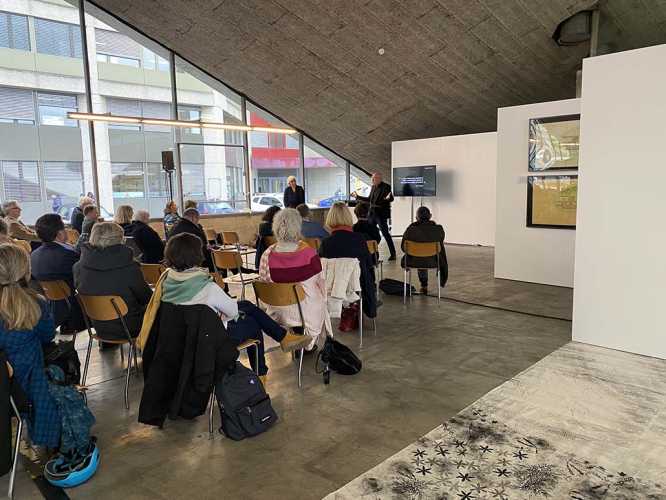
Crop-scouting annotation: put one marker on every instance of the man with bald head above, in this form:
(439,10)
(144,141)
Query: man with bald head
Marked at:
(380,199)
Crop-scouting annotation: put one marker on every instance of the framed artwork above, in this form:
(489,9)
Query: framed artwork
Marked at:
(552,201)
(554,143)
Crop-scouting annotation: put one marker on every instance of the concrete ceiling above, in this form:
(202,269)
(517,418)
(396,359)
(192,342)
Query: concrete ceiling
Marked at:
(447,65)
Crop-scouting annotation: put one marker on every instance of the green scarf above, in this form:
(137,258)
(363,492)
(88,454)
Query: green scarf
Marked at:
(179,288)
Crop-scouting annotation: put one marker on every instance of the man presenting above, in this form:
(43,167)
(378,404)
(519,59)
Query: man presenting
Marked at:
(380,199)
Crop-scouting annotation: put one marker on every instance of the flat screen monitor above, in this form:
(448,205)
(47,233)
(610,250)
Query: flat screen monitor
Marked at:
(415,181)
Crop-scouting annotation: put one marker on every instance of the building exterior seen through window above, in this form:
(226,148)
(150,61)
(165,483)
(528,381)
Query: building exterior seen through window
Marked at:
(46,159)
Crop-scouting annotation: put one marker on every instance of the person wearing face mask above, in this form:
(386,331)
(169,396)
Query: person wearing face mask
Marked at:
(294,195)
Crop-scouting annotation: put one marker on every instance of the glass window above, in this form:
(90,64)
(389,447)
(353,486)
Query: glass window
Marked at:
(112,43)
(17,105)
(325,175)
(127,180)
(14,32)
(157,180)
(57,38)
(359,181)
(214,175)
(64,181)
(273,157)
(53,109)
(20,181)
(202,98)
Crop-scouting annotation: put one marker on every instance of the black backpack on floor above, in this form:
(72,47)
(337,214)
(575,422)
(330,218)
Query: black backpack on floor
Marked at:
(394,287)
(63,354)
(339,358)
(244,405)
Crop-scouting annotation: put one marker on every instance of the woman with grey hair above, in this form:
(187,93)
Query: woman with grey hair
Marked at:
(107,267)
(294,195)
(290,260)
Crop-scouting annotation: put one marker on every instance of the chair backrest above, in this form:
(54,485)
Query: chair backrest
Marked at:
(312,242)
(25,245)
(270,240)
(72,236)
(101,307)
(211,234)
(416,249)
(56,290)
(152,273)
(372,246)
(227,259)
(230,238)
(279,294)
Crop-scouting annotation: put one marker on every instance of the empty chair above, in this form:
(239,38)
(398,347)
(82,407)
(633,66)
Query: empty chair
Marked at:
(231,239)
(419,250)
(211,235)
(108,308)
(230,260)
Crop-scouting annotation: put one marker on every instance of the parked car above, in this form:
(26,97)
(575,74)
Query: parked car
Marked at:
(65,212)
(328,202)
(260,202)
(214,208)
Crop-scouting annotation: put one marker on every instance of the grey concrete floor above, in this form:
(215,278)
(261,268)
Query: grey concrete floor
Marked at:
(427,361)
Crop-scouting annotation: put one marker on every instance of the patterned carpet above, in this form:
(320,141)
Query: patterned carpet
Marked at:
(584,423)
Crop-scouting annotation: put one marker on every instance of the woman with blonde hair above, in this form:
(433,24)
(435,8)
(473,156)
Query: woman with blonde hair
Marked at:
(123,217)
(25,325)
(294,195)
(290,260)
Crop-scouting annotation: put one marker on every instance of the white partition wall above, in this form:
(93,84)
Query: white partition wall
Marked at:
(465,201)
(524,253)
(620,280)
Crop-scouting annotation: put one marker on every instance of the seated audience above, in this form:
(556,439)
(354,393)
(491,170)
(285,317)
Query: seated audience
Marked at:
(147,239)
(310,228)
(76,220)
(90,217)
(4,232)
(25,326)
(344,242)
(265,229)
(107,267)
(189,223)
(187,284)
(368,230)
(292,261)
(17,229)
(425,230)
(53,261)
(123,217)
(171,217)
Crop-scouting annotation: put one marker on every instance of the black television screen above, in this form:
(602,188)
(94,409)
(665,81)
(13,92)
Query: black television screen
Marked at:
(415,181)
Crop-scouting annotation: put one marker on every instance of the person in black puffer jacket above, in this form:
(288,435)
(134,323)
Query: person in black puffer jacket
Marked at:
(107,267)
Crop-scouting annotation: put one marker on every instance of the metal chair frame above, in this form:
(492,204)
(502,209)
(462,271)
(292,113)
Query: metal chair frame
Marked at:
(132,350)
(243,346)
(295,287)
(373,248)
(231,240)
(238,268)
(15,453)
(408,270)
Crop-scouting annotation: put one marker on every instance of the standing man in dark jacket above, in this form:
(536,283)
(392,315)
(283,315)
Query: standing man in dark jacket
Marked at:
(425,230)
(147,239)
(107,267)
(380,199)
(189,223)
(53,261)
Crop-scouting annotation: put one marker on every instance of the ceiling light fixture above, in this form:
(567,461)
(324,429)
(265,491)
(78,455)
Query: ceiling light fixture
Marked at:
(107,117)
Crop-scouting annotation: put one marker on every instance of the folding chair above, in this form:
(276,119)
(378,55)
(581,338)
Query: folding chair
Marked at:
(108,308)
(55,291)
(25,245)
(417,249)
(72,236)
(243,346)
(151,273)
(230,239)
(280,295)
(230,260)
(211,235)
(15,453)
(312,243)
